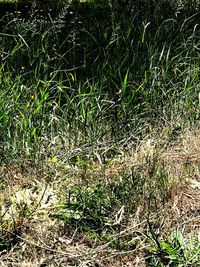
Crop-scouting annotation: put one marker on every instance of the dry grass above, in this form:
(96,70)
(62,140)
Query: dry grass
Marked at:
(42,241)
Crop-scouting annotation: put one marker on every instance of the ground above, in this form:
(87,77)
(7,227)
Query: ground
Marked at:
(39,240)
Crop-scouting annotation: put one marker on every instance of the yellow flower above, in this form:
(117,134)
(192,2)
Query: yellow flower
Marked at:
(33,97)
(54,159)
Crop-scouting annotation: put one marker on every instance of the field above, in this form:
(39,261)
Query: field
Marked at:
(100,134)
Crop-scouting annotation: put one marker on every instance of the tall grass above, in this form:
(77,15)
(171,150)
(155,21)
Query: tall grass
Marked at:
(88,79)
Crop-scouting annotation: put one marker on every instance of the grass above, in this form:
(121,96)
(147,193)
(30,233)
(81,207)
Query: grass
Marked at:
(99,126)
(175,252)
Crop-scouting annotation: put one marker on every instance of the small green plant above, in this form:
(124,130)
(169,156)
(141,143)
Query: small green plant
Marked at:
(174,251)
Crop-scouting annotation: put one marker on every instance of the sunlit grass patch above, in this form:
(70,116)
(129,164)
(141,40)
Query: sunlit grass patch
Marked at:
(24,204)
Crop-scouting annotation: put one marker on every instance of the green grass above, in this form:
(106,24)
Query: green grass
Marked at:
(175,252)
(103,82)
(80,90)
(8,1)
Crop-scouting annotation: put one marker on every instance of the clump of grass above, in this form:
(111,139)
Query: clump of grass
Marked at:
(98,207)
(176,251)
